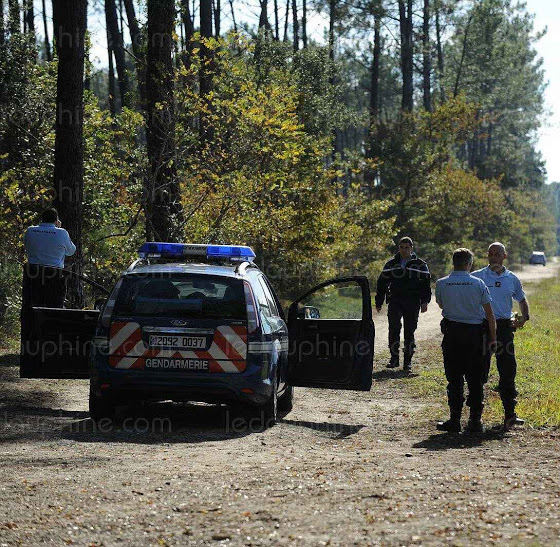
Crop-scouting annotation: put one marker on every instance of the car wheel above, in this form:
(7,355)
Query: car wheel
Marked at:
(100,407)
(286,400)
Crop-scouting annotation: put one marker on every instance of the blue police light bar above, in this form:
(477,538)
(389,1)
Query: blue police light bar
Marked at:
(177,250)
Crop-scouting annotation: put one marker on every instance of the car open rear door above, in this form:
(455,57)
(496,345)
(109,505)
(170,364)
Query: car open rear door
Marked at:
(331,335)
(58,343)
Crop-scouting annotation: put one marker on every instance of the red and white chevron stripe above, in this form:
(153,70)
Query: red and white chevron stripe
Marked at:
(227,353)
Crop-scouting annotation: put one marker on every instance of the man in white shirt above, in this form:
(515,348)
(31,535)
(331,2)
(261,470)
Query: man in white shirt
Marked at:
(504,287)
(46,246)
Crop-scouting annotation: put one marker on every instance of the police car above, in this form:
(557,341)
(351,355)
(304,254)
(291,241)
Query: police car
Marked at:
(189,322)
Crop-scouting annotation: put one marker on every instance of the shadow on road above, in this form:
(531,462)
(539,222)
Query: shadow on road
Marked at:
(339,431)
(390,374)
(447,441)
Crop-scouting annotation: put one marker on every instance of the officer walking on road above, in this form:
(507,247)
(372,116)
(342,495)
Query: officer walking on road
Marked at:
(461,297)
(504,286)
(405,284)
(44,284)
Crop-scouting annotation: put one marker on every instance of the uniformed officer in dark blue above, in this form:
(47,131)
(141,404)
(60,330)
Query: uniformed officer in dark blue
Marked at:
(405,284)
(461,297)
(504,287)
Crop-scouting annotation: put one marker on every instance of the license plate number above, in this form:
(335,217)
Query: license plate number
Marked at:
(183,342)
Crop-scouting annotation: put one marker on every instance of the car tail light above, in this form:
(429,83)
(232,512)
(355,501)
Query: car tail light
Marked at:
(252,317)
(108,309)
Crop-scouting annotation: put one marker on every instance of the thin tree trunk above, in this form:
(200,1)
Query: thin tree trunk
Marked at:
(286,20)
(189,31)
(163,204)
(29,16)
(137,50)
(276,21)
(463,54)
(263,19)
(426,58)
(440,60)
(116,42)
(13,17)
(206,70)
(217,7)
(407,53)
(2,28)
(69,21)
(295,24)
(332,9)
(304,23)
(233,16)
(111,95)
(48,52)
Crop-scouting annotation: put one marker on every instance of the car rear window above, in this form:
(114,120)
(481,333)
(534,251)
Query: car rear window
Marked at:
(182,295)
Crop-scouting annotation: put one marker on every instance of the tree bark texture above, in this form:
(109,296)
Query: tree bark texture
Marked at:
(304,23)
(163,205)
(295,24)
(2,27)
(116,44)
(48,52)
(426,58)
(407,53)
(69,21)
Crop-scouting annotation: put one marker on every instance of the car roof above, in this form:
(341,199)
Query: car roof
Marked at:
(229,270)
(538,253)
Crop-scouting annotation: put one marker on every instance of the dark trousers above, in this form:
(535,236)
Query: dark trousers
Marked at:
(506,364)
(463,359)
(42,286)
(407,310)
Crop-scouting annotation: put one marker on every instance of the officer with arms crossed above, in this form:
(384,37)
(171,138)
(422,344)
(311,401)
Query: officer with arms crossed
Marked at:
(44,284)
(405,283)
(461,296)
(504,286)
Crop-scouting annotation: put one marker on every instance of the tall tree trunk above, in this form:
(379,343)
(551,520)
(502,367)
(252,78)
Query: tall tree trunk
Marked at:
(233,16)
(332,17)
(29,16)
(263,19)
(163,204)
(48,53)
(373,134)
(116,43)
(440,62)
(463,55)
(69,21)
(2,28)
(276,21)
(295,24)
(304,23)
(407,53)
(217,9)
(426,58)
(187,21)
(111,95)
(206,71)
(13,17)
(139,56)
(287,20)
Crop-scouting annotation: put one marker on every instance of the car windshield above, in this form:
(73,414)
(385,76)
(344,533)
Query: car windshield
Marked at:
(182,295)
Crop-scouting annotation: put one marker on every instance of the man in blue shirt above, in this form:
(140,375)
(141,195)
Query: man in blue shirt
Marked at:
(504,287)
(46,246)
(461,297)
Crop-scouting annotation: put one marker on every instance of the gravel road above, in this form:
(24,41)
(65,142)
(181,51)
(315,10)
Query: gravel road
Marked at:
(342,468)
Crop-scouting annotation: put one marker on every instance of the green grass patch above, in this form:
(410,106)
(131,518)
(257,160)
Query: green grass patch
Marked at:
(538,364)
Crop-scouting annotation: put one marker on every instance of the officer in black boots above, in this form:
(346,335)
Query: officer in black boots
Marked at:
(465,300)
(405,284)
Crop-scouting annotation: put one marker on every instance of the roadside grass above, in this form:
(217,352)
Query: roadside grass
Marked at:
(538,365)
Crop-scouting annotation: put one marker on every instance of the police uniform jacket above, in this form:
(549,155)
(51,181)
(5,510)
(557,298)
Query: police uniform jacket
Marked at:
(411,282)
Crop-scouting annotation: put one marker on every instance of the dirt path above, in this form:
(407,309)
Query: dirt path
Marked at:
(343,468)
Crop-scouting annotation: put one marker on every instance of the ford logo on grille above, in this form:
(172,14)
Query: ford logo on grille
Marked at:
(178,323)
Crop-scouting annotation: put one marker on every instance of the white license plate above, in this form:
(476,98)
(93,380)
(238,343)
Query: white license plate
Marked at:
(182,342)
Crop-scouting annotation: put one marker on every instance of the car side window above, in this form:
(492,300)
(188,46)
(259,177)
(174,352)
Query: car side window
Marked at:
(261,298)
(270,299)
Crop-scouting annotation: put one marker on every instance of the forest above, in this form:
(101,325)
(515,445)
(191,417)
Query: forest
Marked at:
(405,117)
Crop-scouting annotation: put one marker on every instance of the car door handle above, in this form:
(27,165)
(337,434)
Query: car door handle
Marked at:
(312,326)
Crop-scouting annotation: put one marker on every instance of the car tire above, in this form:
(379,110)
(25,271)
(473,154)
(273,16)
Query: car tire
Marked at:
(100,407)
(286,400)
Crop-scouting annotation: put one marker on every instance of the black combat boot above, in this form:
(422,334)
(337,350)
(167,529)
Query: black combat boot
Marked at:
(475,424)
(407,367)
(394,362)
(453,425)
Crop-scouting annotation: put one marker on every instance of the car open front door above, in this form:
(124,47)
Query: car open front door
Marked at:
(58,343)
(331,334)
